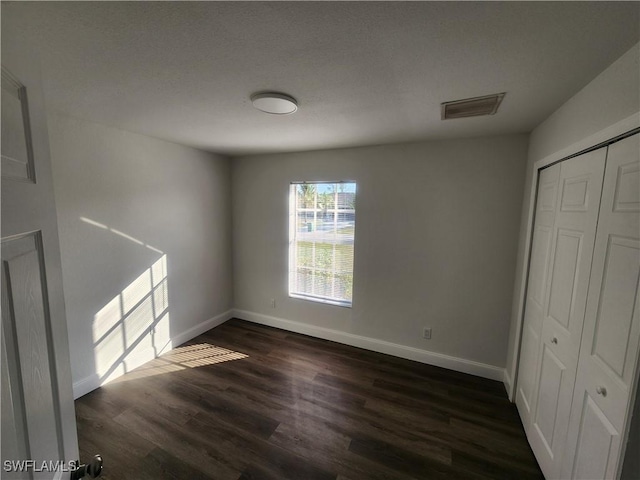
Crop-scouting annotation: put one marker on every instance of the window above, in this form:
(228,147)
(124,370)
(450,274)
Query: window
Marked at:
(322,221)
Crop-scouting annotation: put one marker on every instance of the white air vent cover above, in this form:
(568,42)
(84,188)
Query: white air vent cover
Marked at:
(472,107)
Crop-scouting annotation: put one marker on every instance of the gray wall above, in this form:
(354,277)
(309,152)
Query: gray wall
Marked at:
(611,97)
(436,238)
(126,202)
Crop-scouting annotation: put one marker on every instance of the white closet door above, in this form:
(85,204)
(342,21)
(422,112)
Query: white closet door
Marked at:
(573,236)
(609,350)
(536,291)
(37,412)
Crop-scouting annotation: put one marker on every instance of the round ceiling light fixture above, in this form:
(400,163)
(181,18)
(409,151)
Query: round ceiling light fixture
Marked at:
(274,103)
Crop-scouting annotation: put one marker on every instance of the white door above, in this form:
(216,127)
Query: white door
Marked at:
(609,351)
(38,420)
(536,292)
(567,282)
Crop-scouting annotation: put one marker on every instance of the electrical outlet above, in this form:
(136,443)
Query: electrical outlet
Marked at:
(273,303)
(426,333)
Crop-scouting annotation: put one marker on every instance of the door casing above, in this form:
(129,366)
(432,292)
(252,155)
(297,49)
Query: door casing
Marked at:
(29,215)
(625,128)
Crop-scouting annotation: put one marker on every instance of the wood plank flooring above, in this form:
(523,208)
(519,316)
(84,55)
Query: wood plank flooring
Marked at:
(244,401)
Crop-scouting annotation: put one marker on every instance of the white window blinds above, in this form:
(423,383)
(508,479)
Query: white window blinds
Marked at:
(322,221)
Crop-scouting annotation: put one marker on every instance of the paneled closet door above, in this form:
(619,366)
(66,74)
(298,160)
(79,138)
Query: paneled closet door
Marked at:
(609,351)
(573,236)
(536,291)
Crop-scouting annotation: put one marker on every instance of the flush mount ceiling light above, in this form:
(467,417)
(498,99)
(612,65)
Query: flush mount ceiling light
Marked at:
(472,107)
(274,103)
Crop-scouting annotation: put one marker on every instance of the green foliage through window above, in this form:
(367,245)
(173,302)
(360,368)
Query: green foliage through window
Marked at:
(322,241)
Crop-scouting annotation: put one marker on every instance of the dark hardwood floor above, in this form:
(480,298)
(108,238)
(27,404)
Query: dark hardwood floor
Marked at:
(244,401)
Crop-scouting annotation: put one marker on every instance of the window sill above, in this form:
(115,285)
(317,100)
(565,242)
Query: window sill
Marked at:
(326,301)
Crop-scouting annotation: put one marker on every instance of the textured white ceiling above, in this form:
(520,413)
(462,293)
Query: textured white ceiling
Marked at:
(363,72)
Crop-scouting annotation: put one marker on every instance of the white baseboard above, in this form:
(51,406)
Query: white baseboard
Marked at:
(381,346)
(85,385)
(90,383)
(507,383)
(199,329)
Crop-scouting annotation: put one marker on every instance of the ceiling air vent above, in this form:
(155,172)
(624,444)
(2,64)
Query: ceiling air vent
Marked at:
(472,107)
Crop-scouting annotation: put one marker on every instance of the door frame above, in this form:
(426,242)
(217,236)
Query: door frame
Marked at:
(618,131)
(21,56)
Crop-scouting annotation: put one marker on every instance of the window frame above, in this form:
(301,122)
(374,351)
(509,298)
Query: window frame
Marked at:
(293,223)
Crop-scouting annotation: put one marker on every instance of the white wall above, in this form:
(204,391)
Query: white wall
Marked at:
(611,96)
(436,238)
(609,100)
(126,205)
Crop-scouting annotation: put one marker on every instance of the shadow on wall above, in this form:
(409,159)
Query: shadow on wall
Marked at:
(134,326)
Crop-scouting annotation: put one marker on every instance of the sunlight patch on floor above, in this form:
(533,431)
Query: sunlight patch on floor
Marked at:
(182,358)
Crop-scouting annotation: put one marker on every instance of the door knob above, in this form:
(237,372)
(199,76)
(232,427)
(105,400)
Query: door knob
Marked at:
(92,470)
(601,391)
